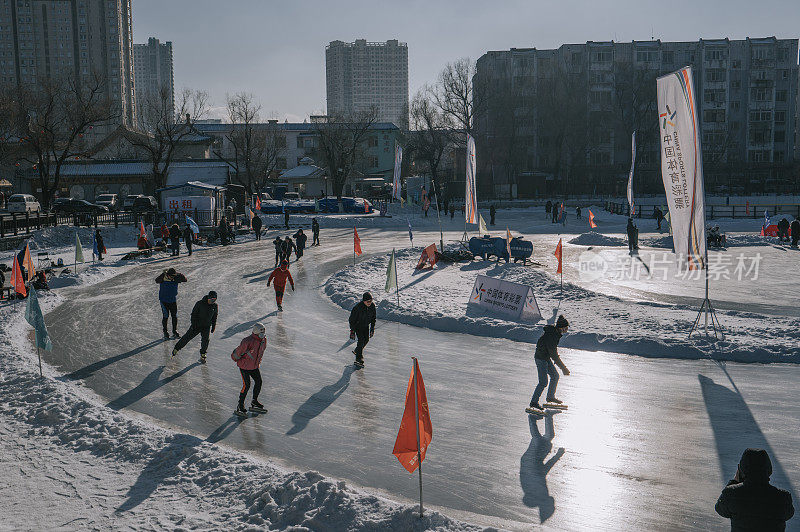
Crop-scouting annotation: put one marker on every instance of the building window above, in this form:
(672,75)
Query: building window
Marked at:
(758,156)
(714,55)
(760,116)
(299,142)
(736,84)
(372,142)
(760,136)
(735,106)
(646,56)
(780,96)
(669,57)
(780,116)
(736,63)
(714,115)
(602,57)
(780,136)
(778,156)
(760,94)
(715,75)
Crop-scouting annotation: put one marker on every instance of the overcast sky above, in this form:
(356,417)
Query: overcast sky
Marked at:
(276,50)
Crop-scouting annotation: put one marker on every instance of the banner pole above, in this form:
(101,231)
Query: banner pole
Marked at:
(396,283)
(39,354)
(707,300)
(419,454)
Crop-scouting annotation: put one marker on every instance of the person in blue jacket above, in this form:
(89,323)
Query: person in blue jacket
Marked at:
(168,296)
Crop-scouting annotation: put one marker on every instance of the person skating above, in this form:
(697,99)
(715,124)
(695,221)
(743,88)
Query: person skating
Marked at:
(362,325)
(315,232)
(175,239)
(633,235)
(492,214)
(795,228)
(203,322)
(578,212)
(223,231)
(248,358)
(256,224)
(188,236)
(280,275)
(101,246)
(750,501)
(783,230)
(548,207)
(278,243)
(659,215)
(286,218)
(300,242)
(452,211)
(168,282)
(287,248)
(546,359)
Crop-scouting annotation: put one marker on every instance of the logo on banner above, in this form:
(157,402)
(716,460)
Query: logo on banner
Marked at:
(478,293)
(671,115)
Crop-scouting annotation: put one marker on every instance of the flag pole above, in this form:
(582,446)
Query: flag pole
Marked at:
(396,282)
(416,431)
(39,354)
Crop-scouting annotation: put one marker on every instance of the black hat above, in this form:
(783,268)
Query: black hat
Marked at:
(367,297)
(212,294)
(755,465)
(562,322)
(171,271)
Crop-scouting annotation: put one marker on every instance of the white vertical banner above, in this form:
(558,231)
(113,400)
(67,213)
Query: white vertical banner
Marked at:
(470,196)
(682,165)
(398,164)
(630,175)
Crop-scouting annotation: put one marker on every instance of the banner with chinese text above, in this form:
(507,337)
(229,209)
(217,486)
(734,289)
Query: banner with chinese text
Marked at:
(504,298)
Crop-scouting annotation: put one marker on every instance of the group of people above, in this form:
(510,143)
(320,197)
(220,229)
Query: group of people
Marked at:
(284,247)
(786,229)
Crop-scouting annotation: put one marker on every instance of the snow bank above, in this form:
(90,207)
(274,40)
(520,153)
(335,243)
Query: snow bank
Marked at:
(438,299)
(593,238)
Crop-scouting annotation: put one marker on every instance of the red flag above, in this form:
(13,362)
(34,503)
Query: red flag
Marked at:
(428,257)
(405,447)
(558,255)
(16,279)
(258,203)
(356,242)
(142,232)
(748,208)
(592,225)
(366,207)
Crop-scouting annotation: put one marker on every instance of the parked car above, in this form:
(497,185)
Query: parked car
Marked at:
(63,206)
(23,203)
(87,207)
(291,196)
(108,200)
(145,204)
(127,203)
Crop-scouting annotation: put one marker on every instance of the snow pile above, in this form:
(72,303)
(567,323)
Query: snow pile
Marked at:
(657,242)
(438,299)
(593,238)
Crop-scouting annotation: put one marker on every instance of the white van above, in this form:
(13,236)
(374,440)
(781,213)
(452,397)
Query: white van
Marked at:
(23,203)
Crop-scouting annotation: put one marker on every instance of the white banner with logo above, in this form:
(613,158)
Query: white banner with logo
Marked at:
(470,195)
(398,164)
(630,175)
(682,165)
(504,298)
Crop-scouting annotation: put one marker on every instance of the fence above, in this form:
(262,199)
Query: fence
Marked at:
(745,210)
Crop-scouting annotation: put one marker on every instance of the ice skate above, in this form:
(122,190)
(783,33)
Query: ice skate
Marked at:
(202,358)
(166,335)
(555,403)
(255,406)
(176,334)
(535,408)
(240,411)
(174,352)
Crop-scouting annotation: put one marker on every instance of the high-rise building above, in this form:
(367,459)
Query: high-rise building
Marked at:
(48,38)
(560,120)
(152,67)
(362,74)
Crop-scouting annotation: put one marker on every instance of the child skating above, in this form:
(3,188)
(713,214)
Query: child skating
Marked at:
(547,359)
(248,358)
(280,275)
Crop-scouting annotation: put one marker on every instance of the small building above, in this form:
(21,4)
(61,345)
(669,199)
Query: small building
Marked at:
(307,179)
(203,202)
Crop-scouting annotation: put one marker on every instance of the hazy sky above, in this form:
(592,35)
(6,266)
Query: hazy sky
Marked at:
(276,50)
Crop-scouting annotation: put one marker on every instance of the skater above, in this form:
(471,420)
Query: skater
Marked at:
(286,218)
(222,228)
(555,214)
(362,325)
(659,216)
(578,212)
(452,211)
(300,243)
(287,248)
(203,322)
(188,236)
(101,246)
(783,230)
(168,297)
(633,236)
(281,275)
(278,243)
(548,207)
(248,358)
(175,239)
(492,213)
(750,501)
(315,232)
(257,226)
(545,357)
(795,228)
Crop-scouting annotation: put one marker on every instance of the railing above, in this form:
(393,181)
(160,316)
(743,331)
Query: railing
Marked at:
(751,210)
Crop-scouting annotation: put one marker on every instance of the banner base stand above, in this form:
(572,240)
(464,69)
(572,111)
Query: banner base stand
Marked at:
(707,309)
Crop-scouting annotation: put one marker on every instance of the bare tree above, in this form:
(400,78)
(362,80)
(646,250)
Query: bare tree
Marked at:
(431,133)
(459,99)
(52,118)
(340,145)
(164,127)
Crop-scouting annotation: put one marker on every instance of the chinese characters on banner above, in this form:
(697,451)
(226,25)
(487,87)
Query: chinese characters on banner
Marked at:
(682,165)
(504,298)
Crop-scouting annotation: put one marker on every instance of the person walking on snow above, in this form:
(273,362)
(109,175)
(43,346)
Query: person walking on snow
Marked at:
(545,357)
(633,235)
(795,229)
(203,322)
(315,232)
(188,236)
(286,217)
(278,243)
(280,275)
(168,297)
(362,325)
(257,226)
(492,214)
(287,248)
(175,239)
(101,246)
(248,358)
(300,242)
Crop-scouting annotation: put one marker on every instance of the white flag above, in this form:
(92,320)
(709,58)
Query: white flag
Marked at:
(630,175)
(470,195)
(398,163)
(482,225)
(391,274)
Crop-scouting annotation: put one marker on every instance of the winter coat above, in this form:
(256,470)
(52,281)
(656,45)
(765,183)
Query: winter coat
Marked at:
(301,240)
(168,291)
(248,354)
(796,229)
(280,276)
(754,504)
(315,227)
(278,243)
(256,223)
(204,314)
(631,229)
(188,234)
(101,246)
(164,232)
(362,317)
(174,232)
(547,346)
(287,246)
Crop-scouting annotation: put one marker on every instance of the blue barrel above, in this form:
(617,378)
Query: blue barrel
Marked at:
(481,246)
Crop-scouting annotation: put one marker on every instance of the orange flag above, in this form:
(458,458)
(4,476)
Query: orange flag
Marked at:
(16,279)
(558,255)
(405,447)
(366,207)
(142,232)
(591,220)
(356,242)
(28,263)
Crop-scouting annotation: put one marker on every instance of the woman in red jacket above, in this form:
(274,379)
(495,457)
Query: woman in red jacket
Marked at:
(280,275)
(248,358)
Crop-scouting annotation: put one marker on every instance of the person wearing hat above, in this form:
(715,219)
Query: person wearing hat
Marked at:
(278,243)
(545,357)
(362,325)
(204,321)
(750,501)
(168,297)
(280,275)
(248,357)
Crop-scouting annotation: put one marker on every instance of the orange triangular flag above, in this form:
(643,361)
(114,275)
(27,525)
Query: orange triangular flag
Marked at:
(356,242)
(142,232)
(592,225)
(27,262)
(558,255)
(16,279)
(405,447)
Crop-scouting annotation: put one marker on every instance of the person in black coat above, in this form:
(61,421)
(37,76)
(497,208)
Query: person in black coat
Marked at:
(203,322)
(795,228)
(783,230)
(286,218)
(278,243)
(300,242)
(750,501)
(546,359)
(223,231)
(101,246)
(362,325)
(175,239)
(492,213)
(257,226)
(633,235)
(188,237)
(287,246)
(548,206)
(315,232)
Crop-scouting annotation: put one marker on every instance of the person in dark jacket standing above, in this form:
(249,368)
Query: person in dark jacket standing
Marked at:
(278,243)
(257,226)
(795,228)
(175,239)
(362,325)
(300,239)
(783,230)
(492,214)
(188,236)
(168,297)
(633,235)
(286,218)
(101,246)
(286,249)
(750,501)
(546,358)
(315,232)
(548,207)
(204,322)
